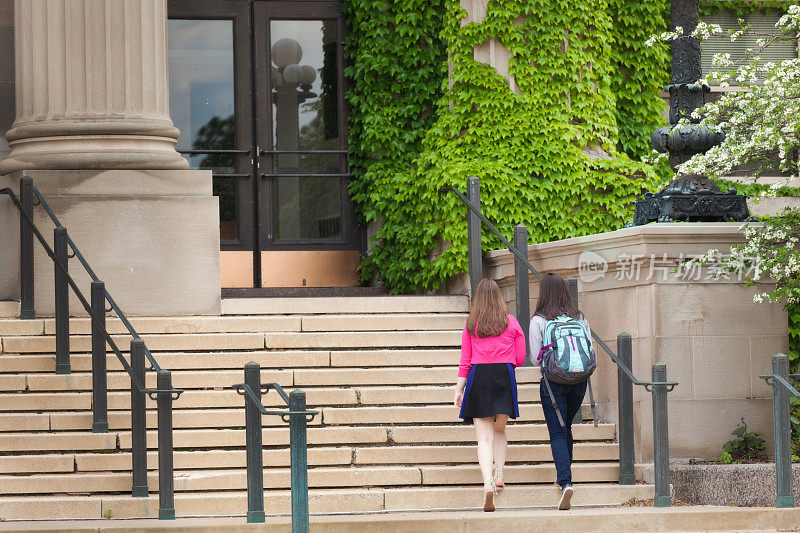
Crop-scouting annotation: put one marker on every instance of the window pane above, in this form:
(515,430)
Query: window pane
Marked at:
(305,99)
(309,208)
(202,103)
(762,23)
(306,117)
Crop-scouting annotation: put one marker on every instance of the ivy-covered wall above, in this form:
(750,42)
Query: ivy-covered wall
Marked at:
(550,156)
(558,153)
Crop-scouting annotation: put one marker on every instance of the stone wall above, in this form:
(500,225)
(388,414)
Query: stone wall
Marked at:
(714,340)
(6,72)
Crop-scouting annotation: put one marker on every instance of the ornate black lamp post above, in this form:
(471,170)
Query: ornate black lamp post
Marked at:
(691,197)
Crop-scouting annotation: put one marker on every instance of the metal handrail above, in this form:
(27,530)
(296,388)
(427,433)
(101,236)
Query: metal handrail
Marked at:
(139,385)
(297,417)
(781,425)
(772,379)
(79,257)
(648,385)
(243,389)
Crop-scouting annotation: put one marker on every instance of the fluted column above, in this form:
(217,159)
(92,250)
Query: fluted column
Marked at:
(91,87)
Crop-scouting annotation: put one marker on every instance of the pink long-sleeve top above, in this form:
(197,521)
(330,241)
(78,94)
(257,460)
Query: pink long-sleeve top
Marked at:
(508,347)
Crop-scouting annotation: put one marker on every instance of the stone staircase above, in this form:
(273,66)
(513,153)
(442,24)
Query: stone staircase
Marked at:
(380,370)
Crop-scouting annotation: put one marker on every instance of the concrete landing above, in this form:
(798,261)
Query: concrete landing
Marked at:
(589,520)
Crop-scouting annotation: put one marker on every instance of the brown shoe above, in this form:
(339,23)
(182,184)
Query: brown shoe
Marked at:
(488,501)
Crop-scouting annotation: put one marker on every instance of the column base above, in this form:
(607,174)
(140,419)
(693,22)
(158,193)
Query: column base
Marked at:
(151,235)
(81,152)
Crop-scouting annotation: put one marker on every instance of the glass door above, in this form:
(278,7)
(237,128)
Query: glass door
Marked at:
(257,91)
(305,213)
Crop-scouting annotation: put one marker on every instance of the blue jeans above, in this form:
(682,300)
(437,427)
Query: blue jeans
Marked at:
(569,399)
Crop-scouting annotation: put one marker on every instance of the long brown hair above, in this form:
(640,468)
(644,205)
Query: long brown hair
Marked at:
(488,316)
(554,298)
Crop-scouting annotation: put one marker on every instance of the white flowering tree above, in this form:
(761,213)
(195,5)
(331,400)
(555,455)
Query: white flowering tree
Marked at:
(761,120)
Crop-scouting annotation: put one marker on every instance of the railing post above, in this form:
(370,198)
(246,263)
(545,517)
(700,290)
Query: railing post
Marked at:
(522,285)
(780,417)
(138,422)
(298,449)
(26,307)
(475,253)
(166,483)
(660,437)
(61,301)
(625,418)
(99,380)
(572,288)
(255,459)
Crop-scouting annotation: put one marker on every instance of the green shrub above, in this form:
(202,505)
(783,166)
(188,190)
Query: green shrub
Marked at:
(748,445)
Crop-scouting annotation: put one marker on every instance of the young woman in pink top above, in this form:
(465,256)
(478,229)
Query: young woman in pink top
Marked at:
(492,345)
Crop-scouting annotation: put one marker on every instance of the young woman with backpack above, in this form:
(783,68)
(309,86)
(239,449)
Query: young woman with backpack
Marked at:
(492,345)
(560,335)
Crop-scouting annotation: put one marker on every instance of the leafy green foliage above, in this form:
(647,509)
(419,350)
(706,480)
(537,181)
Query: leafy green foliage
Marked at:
(741,8)
(725,458)
(547,149)
(747,445)
(639,71)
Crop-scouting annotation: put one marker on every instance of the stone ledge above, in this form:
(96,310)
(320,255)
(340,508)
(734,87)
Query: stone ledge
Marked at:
(744,485)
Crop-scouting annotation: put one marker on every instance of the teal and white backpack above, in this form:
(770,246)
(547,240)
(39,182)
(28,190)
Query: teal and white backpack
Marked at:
(568,359)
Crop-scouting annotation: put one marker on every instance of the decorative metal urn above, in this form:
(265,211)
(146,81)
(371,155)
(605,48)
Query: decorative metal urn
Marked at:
(692,197)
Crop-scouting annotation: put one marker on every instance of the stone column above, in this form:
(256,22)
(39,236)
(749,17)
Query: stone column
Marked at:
(93,131)
(91,87)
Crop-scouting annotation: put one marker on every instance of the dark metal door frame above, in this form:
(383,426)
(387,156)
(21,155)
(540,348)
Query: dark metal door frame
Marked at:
(254,147)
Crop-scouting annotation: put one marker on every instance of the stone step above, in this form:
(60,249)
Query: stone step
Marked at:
(208,459)
(244,324)
(161,325)
(596,511)
(425,395)
(247,341)
(416,414)
(72,401)
(81,362)
(518,474)
(385,322)
(319,477)
(351,436)
(419,455)
(320,501)
(345,305)
(201,480)
(398,358)
(515,431)
(52,442)
(368,378)
(363,339)
(270,436)
(181,379)
(317,456)
(187,342)
(395,376)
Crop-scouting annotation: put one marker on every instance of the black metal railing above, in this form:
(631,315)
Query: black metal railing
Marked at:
(163,394)
(781,389)
(298,418)
(659,386)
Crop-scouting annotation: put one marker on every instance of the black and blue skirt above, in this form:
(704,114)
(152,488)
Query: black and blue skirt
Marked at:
(491,390)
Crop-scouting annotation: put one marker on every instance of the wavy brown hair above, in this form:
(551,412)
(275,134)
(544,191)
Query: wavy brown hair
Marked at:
(554,299)
(488,316)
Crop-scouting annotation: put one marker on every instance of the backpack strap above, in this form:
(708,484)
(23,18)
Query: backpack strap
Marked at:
(553,401)
(591,401)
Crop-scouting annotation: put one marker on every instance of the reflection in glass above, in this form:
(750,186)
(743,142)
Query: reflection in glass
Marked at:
(306,117)
(202,103)
(309,208)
